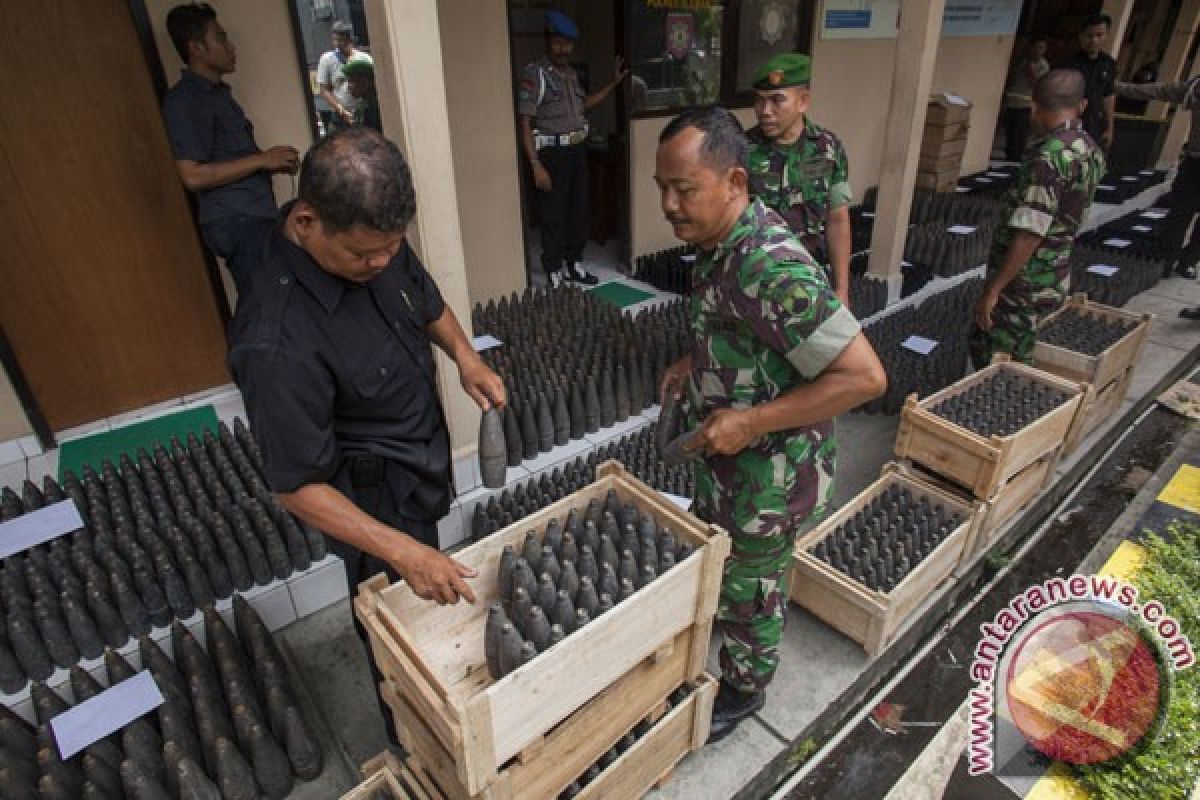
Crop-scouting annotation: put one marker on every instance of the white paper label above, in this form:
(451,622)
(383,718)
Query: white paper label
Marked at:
(1154,213)
(954,99)
(1129,178)
(1120,244)
(961,230)
(868,214)
(1104,187)
(683,502)
(1142,228)
(919,344)
(962,189)
(1106,270)
(485,342)
(1147,172)
(689,258)
(983,180)
(996,174)
(107,712)
(38,526)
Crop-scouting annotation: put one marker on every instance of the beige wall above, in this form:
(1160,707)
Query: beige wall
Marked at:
(479,93)
(850,95)
(13,422)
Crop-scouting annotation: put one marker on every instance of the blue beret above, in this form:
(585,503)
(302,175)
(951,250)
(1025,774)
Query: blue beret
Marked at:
(559,24)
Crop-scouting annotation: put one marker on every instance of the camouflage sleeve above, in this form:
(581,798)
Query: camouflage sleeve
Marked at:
(1040,189)
(797,315)
(839,184)
(528,91)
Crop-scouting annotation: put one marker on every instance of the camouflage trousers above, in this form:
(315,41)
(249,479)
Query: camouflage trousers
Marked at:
(1014,331)
(751,609)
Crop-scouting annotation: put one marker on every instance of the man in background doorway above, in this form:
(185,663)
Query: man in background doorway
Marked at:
(552,109)
(1099,71)
(335,88)
(799,169)
(1184,202)
(360,77)
(1017,99)
(1029,269)
(213,141)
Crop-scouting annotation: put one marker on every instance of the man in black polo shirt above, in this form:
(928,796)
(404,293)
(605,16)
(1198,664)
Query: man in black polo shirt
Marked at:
(213,141)
(1099,74)
(331,349)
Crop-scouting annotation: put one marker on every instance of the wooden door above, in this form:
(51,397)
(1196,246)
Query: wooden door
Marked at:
(103,289)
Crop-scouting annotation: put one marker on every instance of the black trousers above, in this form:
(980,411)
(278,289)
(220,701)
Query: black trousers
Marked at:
(1016,132)
(1184,213)
(376,501)
(563,211)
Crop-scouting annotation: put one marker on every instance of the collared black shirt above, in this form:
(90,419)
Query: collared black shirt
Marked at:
(330,369)
(1100,76)
(205,124)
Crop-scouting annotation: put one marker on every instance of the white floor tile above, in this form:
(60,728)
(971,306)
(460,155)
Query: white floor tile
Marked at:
(11,452)
(148,412)
(24,710)
(11,700)
(229,407)
(275,606)
(80,431)
(619,429)
(41,466)
(13,475)
(557,455)
(450,529)
(466,473)
(30,445)
(318,588)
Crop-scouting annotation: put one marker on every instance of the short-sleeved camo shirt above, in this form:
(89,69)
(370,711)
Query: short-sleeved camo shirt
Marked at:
(1051,198)
(802,181)
(764,320)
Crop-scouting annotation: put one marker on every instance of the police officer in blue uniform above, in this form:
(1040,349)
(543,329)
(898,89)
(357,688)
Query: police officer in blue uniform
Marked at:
(552,108)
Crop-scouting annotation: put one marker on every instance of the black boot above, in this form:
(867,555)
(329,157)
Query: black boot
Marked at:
(1191,313)
(730,707)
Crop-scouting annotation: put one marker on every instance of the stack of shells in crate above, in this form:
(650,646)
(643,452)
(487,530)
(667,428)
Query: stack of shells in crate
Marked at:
(574,572)
(1001,405)
(1081,332)
(887,538)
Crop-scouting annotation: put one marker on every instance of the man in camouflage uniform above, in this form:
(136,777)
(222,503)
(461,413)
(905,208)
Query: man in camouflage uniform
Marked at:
(775,357)
(799,169)
(1029,270)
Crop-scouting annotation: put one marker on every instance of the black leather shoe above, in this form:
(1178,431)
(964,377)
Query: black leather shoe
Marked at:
(1186,271)
(730,707)
(1191,313)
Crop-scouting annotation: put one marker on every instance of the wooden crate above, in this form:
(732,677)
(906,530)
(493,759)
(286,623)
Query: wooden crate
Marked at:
(1102,370)
(868,616)
(982,464)
(434,654)
(1007,501)
(648,763)
(395,779)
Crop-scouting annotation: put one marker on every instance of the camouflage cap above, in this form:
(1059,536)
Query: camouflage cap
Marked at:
(359,64)
(783,70)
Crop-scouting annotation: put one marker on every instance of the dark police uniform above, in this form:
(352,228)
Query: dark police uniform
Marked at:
(205,124)
(553,98)
(1099,75)
(339,385)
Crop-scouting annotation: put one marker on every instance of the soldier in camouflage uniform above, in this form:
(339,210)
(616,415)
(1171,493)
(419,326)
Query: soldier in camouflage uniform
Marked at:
(774,357)
(1029,273)
(799,169)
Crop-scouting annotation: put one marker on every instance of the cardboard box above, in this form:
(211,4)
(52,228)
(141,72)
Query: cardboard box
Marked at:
(947,107)
(950,132)
(944,149)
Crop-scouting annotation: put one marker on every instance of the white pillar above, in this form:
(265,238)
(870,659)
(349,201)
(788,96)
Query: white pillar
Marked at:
(912,76)
(1175,56)
(406,45)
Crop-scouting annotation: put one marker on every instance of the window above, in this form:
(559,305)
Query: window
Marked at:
(686,53)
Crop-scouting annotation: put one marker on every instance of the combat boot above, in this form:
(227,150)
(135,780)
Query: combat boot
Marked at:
(730,707)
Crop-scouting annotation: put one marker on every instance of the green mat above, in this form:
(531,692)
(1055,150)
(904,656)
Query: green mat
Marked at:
(110,444)
(620,294)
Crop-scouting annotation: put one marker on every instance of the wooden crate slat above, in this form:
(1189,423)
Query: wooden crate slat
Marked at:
(1099,370)
(656,753)
(1005,504)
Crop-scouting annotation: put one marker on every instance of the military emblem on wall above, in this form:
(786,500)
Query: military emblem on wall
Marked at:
(773,22)
(680,29)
